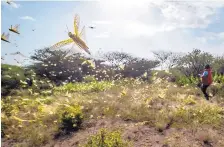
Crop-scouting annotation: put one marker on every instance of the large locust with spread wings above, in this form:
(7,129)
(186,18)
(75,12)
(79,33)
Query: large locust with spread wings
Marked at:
(77,38)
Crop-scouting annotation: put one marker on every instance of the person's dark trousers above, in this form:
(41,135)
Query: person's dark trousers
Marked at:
(203,89)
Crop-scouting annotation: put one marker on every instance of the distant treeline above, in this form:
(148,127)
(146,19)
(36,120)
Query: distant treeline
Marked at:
(58,67)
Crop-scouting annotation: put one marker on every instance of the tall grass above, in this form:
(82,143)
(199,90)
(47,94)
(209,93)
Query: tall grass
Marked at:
(94,86)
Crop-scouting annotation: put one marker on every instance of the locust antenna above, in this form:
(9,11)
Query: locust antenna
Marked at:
(67,28)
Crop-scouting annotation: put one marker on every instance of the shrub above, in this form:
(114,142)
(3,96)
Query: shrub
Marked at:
(162,74)
(218,78)
(189,101)
(201,114)
(3,129)
(85,87)
(221,91)
(46,92)
(70,118)
(11,76)
(160,126)
(218,91)
(7,106)
(89,79)
(107,139)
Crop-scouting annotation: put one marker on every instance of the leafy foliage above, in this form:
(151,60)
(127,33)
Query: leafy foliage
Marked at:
(117,59)
(194,62)
(85,87)
(104,138)
(70,117)
(207,114)
(11,76)
(57,65)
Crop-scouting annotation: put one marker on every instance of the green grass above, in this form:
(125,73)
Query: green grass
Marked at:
(85,87)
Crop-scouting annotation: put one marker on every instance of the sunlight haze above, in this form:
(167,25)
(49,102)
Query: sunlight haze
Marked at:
(136,27)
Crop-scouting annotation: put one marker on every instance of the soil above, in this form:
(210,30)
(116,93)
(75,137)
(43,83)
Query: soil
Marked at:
(143,135)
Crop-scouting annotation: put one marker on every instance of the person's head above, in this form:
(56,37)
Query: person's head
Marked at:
(207,66)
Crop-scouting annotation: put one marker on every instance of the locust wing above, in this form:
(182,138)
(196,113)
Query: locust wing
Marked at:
(62,43)
(15,29)
(5,37)
(3,34)
(83,40)
(82,34)
(76,24)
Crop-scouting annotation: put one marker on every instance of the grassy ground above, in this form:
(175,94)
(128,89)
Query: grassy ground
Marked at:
(133,113)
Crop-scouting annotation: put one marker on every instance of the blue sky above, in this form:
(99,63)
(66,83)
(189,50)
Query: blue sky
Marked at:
(137,27)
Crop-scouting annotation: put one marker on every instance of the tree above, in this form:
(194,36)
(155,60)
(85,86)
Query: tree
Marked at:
(194,62)
(218,64)
(60,66)
(163,57)
(173,60)
(11,76)
(139,67)
(117,59)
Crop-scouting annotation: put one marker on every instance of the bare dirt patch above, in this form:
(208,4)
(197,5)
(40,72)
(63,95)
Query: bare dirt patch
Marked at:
(145,136)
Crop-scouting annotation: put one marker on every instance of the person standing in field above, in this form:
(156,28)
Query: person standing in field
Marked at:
(206,79)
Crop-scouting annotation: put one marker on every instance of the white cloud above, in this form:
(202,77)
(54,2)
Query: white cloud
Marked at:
(149,17)
(221,35)
(177,41)
(28,18)
(101,22)
(103,35)
(140,29)
(212,36)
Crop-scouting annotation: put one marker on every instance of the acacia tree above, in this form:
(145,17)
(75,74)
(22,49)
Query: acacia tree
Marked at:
(162,57)
(59,65)
(132,66)
(173,60)
(118,58)
(218,64)
(194,62)
(139,67)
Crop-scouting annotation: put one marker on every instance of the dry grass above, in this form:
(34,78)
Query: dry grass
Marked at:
(160,105)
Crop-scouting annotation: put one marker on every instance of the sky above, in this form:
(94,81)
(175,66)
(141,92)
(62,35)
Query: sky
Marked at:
(133,26)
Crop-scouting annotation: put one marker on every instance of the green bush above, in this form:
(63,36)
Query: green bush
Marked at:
(201,114)
(14,80)
(11,76)
(218,91)
(184,80)
(107,139)
(221,91)
(218,78)
(70,118)
(89,79)
(162,74)
(7,106)
(85,87)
